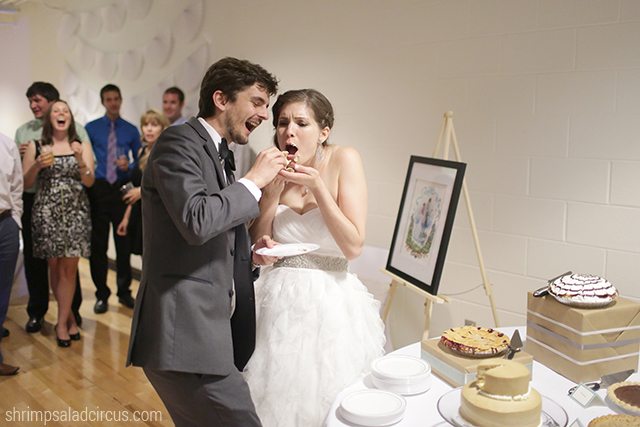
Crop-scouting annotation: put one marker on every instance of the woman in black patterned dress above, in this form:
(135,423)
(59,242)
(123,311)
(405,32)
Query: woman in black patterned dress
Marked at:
(61,223)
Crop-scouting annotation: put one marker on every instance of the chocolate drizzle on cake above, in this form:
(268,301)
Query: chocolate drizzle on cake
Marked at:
(585,289)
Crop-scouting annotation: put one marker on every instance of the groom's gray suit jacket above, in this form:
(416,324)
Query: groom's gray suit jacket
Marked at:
(194,241)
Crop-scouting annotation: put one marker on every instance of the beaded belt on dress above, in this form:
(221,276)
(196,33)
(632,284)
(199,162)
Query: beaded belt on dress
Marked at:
(316,262)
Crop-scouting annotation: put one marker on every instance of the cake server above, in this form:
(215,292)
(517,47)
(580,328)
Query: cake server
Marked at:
(545,289)
(515,345)
(606,380)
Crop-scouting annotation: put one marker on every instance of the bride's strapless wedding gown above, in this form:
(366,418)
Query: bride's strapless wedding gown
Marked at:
(317,330)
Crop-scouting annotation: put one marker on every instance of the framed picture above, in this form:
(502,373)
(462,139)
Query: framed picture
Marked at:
(424,222)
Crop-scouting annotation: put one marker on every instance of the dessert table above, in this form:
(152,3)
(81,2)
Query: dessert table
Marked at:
(422,409)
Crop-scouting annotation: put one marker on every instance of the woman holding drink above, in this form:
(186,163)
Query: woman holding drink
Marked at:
(61,223)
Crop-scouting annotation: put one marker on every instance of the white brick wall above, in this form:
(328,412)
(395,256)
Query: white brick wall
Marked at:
(570,13)
(549,258)
(630,10)
(547,108)
(624,176)
(605,226)
(531,217)
(570,179)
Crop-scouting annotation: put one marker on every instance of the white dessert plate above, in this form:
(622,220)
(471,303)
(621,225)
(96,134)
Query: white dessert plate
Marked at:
(553,415)
(401,374)
(400,367)
(373,408)
(288,249)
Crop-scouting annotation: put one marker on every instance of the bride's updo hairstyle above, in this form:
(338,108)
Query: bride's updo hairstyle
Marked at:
(319,104)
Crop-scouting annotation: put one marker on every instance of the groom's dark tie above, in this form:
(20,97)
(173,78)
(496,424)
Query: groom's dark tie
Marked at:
(228,160)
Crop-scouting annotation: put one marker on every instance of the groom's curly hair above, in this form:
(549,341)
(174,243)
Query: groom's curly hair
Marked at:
(231,75)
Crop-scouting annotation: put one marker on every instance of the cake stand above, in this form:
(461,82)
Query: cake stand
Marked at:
(553,415)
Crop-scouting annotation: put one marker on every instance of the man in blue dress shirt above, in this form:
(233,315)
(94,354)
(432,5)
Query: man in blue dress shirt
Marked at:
(114,142)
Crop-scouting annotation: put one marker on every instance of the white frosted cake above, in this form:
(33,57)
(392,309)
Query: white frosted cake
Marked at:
(583,290)
(501,396)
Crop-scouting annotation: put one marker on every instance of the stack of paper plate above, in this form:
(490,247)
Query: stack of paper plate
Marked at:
(373,408)
(401,374)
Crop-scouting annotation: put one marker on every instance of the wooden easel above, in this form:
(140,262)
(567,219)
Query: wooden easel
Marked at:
(429,300)
(446,139)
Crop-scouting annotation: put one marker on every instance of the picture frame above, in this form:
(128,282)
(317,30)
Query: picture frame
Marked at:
(425,220)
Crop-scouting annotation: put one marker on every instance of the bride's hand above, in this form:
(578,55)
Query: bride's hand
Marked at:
(263,242)
(274,188)
(305,176)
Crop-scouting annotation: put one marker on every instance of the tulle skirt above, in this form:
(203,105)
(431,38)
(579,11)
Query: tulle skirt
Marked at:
(317,332)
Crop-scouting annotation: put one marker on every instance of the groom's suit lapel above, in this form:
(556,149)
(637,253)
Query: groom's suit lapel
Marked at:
(210,148)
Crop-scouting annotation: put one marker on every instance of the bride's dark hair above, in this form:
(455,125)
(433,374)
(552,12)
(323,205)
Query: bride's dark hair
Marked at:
(319,104)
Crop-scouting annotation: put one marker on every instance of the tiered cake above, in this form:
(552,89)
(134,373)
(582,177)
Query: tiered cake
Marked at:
(501,396)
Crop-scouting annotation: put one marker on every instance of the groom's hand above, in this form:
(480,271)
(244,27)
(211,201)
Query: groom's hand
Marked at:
(263,242)
(267,165)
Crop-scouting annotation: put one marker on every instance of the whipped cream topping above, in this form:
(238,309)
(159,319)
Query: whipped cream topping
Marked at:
(583,287)
(506,397)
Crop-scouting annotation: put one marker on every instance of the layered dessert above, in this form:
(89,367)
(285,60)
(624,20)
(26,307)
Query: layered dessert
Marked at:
(501,396)
(583,290)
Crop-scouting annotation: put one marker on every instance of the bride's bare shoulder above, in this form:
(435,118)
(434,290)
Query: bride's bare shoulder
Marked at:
(345,155)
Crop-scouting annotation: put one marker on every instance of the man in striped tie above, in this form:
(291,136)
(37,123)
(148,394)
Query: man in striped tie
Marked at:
(115,142)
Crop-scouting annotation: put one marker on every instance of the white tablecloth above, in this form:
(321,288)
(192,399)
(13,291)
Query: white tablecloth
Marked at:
(422,409)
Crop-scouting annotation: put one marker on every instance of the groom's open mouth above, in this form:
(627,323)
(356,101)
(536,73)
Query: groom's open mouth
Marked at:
(251,124)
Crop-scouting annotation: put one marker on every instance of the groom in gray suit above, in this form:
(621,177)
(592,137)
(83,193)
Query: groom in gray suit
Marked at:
(194,314)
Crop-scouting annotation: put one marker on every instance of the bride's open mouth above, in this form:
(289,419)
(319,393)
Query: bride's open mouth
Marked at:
(292,149)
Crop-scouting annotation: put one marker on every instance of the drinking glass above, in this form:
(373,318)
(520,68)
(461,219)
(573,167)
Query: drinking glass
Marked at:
(46,154)
(122,160)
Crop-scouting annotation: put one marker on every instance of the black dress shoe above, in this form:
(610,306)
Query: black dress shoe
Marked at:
(8,369)
(34,325)
(5,332)
(75,337)
(127,301)
(78,318)
(101,306)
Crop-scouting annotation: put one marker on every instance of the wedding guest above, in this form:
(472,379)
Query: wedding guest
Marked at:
(61,225)
(114,141)
(40,95)
(194,321)
(152,124)
(10,213)
(172,104)
(318,327)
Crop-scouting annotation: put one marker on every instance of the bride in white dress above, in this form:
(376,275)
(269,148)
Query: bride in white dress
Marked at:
(318,328)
